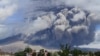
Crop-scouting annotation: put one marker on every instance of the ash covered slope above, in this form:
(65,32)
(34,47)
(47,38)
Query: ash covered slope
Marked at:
(58,25)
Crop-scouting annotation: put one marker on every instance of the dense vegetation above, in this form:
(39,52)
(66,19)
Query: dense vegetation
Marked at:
(65,50)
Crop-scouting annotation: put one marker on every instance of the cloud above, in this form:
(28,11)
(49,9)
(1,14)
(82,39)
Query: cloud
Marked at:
(79,16)
(90,5)
(41,23)
(5,31)
(85,4)
(12,10)
(69,23)
(6,9)
(40,7)
(95,44)
(77,30)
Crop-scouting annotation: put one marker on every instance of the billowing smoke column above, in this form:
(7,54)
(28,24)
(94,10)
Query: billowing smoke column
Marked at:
(70,25)
(50,23)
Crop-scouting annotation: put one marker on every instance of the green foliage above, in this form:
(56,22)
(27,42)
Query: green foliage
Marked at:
(55,54)
(65,50)
(28,50)
(21,53)
(84,53)
(97,53)
(41,52)
(76,52)
(91,54)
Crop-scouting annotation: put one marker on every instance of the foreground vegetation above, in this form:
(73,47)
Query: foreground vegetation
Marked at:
(65,50)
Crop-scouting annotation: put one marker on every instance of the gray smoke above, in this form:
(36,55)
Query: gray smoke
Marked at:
(73,26)
(54,23)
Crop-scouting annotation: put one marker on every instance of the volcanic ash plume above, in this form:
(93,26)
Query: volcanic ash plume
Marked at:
(73,26)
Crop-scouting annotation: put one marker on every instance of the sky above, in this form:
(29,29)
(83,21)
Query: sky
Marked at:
(13,13)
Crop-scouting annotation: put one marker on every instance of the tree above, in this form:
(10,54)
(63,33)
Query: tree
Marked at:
(97,53)
(21,53)
(28,50)
(84,53)
(41,52)
(65,50)
(91,54)
(55,54)
(76,52)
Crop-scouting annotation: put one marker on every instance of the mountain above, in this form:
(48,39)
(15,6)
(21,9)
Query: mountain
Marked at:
(89,49)
(15,47)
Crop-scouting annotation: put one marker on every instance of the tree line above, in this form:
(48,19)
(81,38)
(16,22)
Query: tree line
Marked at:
(65,50)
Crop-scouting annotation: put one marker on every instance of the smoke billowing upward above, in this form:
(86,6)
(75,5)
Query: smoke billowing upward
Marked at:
(53,22)
(65,25)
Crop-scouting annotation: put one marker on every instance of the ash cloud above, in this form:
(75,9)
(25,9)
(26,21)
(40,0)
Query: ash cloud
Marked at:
(55,28)
(56,22)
